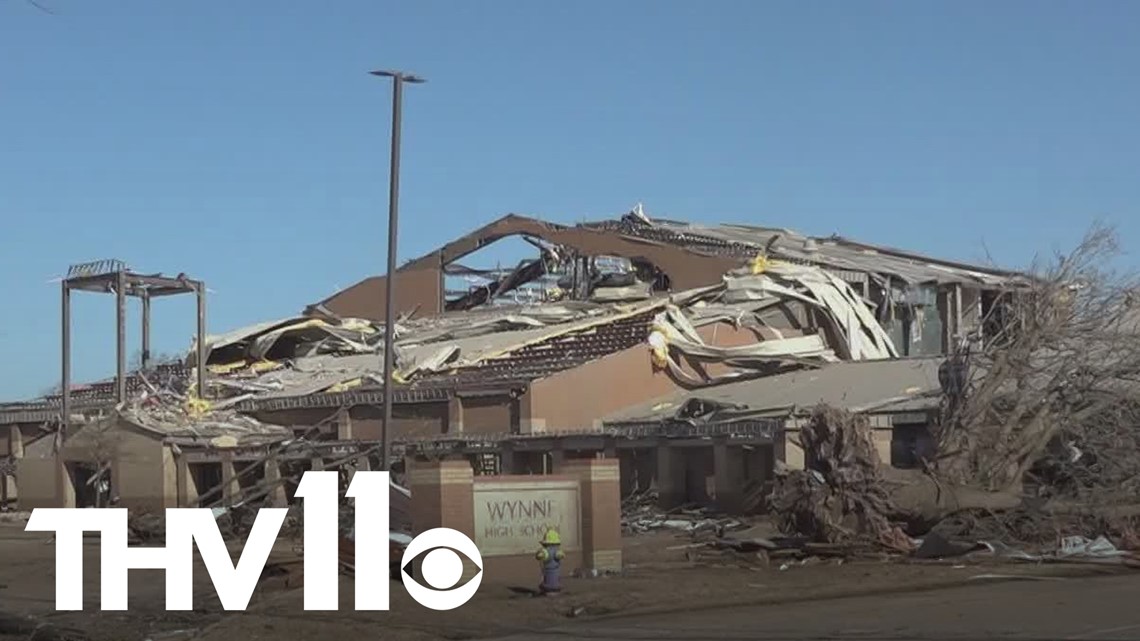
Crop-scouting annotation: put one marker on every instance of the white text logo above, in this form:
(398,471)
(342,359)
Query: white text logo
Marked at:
(441,566)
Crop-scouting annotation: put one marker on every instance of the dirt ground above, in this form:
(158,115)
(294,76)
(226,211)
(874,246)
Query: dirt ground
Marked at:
(1043,609)
(658,578)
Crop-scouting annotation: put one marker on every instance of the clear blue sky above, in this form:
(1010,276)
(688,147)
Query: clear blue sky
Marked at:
(243,142)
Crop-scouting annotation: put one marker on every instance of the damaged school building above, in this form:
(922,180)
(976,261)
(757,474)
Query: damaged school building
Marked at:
(690,353)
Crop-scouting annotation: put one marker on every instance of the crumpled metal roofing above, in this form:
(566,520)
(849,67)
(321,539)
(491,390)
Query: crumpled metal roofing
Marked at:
(494,345)
(834,252)
(856,334)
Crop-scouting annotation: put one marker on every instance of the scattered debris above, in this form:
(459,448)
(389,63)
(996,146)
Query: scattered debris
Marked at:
(1014,577)
(936,546)
(36,629)
(15,517)
(1079,546)
(641,514)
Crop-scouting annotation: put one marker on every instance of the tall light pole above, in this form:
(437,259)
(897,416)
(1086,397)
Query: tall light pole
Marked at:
(398,80)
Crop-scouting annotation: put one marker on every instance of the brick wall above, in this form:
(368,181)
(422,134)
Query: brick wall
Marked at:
(613,383)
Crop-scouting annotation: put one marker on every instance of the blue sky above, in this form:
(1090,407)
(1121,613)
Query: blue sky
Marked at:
(243,142)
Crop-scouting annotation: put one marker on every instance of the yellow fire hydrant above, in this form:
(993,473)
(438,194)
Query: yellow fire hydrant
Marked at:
(550,557)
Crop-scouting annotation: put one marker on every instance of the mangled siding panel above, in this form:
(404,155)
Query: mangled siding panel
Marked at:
(848,329)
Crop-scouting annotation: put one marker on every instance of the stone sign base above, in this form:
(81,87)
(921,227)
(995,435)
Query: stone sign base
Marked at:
(507,516)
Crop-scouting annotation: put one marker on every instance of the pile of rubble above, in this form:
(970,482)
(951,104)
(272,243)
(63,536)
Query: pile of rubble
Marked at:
(715,538)
(640,514)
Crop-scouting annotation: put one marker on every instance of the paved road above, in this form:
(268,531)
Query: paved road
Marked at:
(1100,609)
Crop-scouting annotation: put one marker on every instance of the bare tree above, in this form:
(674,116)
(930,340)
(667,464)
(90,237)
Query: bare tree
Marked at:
(1039,421)
(1064,356)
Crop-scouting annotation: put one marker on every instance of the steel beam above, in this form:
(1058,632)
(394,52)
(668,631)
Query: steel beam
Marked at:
(121,337)
(200,289)
(145,331)
(65,357)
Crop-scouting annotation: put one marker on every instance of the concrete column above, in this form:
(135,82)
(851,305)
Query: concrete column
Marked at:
(231,486)
(16,442)
(625,459)
(670,476)
(454,415)
(8,488)
(557,460)
(186,487)
(601,512)
(945,304)
(344,425)
(882,438)
(508,459)
(728,474)
(610,450)
(277,496)
(65,485)
(788,448)
(958,334)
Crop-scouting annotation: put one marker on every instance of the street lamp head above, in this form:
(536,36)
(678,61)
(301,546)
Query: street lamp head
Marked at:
(405,77)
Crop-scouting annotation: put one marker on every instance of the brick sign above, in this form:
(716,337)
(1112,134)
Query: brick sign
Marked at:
(512,516)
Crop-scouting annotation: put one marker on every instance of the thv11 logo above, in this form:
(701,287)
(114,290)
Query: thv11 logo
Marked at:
(441,567)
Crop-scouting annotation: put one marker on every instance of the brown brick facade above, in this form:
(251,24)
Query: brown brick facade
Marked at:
(601,511)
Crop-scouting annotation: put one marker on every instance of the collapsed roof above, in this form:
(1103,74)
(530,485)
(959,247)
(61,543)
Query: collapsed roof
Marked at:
(844,326)
(632,257)
(650,283)
(835,252)
(306,356)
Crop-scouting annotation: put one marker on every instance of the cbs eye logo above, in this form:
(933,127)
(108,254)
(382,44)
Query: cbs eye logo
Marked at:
(441,568)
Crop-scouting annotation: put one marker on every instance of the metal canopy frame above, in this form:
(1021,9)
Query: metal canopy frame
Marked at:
(112,276)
